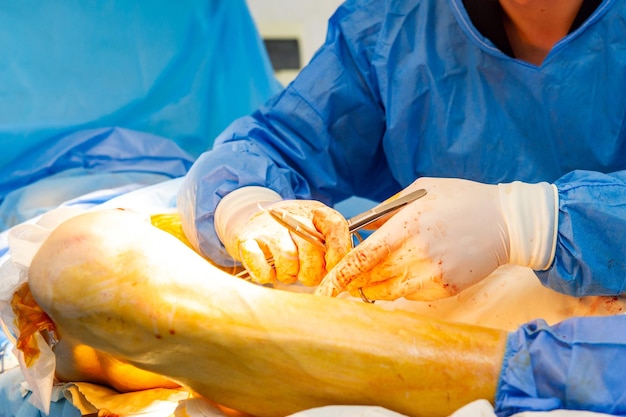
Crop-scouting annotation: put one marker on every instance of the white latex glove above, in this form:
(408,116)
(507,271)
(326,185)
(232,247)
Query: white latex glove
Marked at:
(455,236)
(252,236)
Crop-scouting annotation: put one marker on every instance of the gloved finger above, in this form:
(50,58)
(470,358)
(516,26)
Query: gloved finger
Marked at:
(378,291)
(390,268)
(379,280)
(337,238)
(286,261)
(311,259)
(255,260)
(358,262)
(428,285)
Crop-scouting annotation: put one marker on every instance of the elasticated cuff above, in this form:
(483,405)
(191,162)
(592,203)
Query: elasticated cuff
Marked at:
(531,215)
(236,207)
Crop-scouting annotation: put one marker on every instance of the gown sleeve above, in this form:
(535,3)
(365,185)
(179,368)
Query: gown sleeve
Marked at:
(319,138)
(576,364)
(590,256)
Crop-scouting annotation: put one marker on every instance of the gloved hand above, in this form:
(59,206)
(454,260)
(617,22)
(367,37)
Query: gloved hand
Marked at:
(455,236)
(267,249)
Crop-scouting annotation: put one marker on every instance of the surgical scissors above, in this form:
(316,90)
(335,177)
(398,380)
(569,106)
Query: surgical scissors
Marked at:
(295,225)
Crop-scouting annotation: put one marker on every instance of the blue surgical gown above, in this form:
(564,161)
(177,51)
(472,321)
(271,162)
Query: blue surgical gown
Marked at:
(409,88)
(576,365)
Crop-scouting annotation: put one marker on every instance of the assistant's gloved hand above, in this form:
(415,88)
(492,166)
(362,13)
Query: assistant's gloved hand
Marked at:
(455,236)
(252,236)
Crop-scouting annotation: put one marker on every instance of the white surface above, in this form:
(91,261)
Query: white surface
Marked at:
(305,20)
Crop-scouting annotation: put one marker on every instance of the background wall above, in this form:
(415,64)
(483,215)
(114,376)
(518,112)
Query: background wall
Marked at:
(304,20)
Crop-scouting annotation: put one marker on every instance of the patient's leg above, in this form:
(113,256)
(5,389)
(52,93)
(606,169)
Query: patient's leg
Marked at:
(126,288)
(75,361)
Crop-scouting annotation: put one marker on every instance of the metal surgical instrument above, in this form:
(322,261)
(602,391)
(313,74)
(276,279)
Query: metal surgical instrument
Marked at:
(355,223)
(298,227)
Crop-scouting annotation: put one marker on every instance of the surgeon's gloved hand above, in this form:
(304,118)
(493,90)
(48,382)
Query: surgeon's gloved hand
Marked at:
(453,237)
(267,249)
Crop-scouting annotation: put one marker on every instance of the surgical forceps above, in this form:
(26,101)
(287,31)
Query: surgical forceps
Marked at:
(293,224)
(354,223)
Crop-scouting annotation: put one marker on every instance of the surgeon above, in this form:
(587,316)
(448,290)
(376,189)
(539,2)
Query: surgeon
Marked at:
(509,113)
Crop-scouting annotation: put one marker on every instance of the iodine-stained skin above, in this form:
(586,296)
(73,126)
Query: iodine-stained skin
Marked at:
(113,282)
